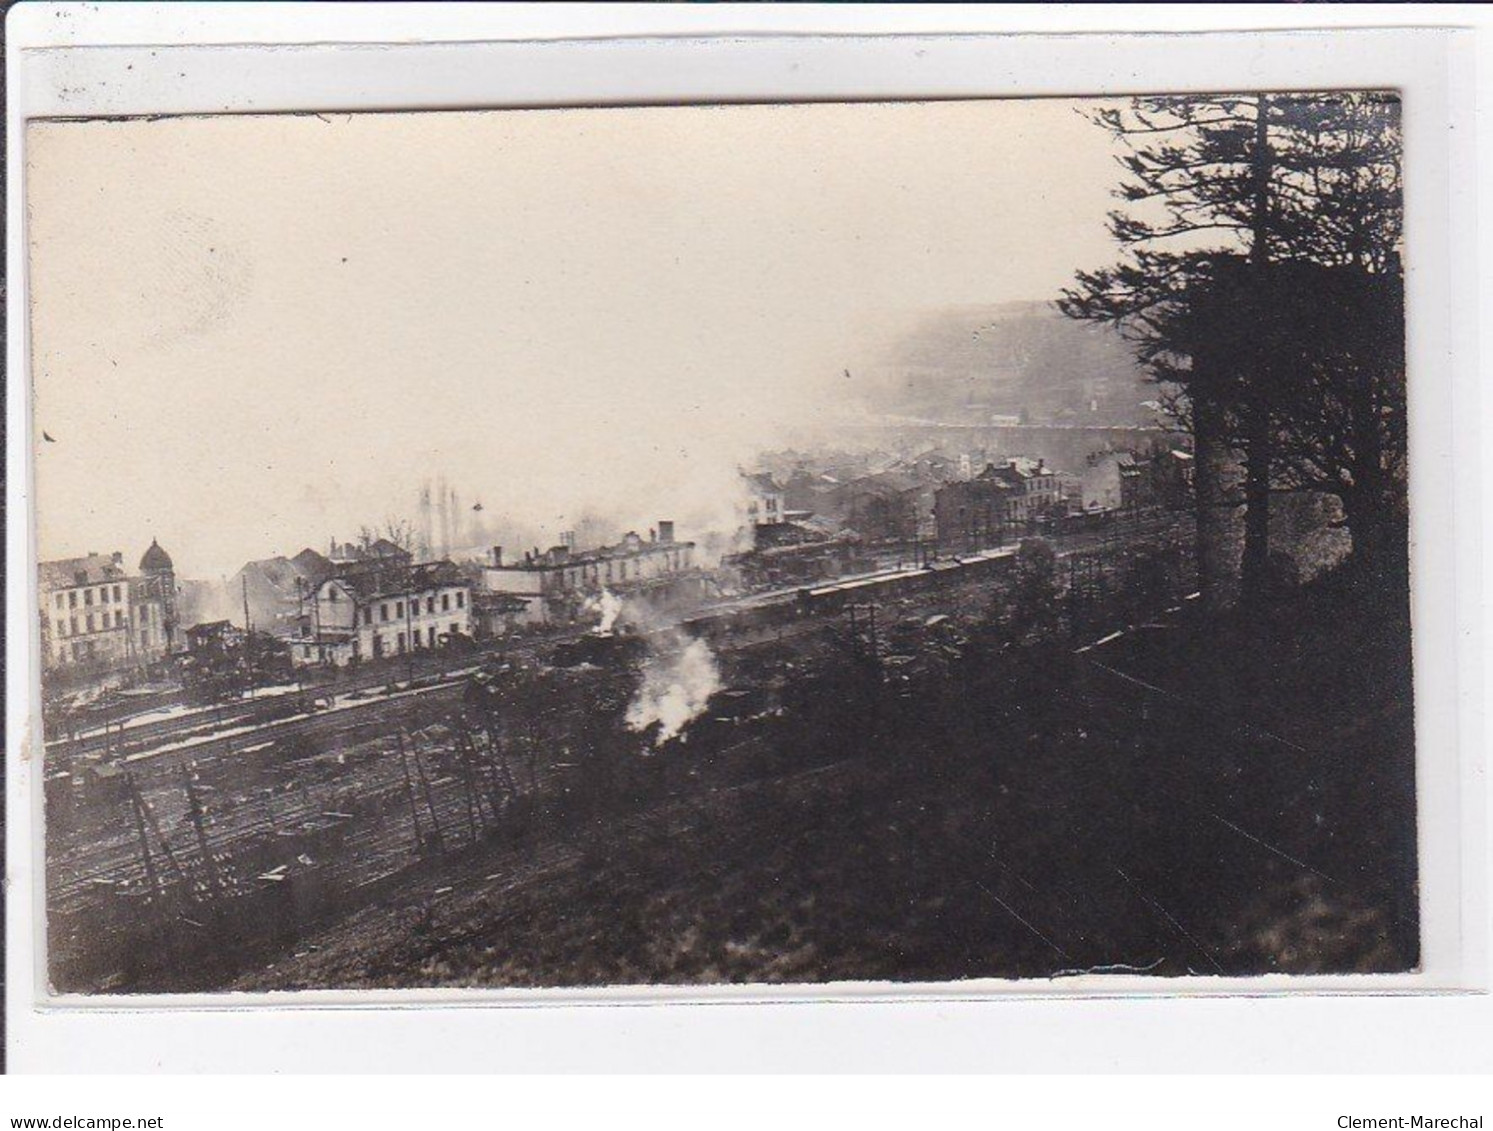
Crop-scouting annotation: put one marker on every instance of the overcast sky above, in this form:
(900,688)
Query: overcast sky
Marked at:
(252,333)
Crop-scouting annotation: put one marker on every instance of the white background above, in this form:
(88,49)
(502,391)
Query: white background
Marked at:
(1299,1033)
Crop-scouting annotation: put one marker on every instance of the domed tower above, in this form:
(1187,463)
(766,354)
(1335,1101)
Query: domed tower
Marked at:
(159,574)
(156,561)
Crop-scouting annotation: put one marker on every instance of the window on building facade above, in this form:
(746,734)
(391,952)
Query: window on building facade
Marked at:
(116,593)
(72,599)
(90,622)
(368,615)
(461,600)
(103,595)
(399,608)
(88,596)
(383,612)
(400,643)
(432,636)
(445,602)
(72,626)
(118,619)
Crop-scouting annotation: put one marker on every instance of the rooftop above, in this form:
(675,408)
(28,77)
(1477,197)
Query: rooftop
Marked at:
(91,569)
(155,559)
(373,579)
(562,557)
(763,482)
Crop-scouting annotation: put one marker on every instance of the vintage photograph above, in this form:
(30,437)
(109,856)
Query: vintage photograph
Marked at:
(885,542)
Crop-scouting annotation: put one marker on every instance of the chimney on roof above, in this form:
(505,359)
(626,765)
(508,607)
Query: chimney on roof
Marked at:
(665,530)
(497,557)
(652,534)
(117,557)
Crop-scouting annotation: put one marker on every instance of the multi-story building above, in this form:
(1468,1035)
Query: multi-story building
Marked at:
(1100,482)
(971,514)
(1037,488)
(556,583)
(368,550)
(374,609)
(882,507)
(1002,501)
(154,599)
(96,617)
(275,590)
(85,609)
(766,504)
(1173,477)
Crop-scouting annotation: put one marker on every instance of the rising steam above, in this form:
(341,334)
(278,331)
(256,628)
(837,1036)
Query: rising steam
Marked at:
(677,685)
(609,607)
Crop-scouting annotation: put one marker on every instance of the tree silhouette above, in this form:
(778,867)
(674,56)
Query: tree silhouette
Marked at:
(1260,280)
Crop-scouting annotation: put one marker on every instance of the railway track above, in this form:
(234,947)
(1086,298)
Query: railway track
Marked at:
(349,805)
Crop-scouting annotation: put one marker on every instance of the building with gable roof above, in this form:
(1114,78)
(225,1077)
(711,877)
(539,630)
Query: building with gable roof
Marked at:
(97,618)
(375,609)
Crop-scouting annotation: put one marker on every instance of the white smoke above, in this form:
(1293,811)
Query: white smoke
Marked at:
(608,606)
(677,685)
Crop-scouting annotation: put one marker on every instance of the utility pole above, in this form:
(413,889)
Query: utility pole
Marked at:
(153,877)
(149,817)
(248,633)
(869,648)
(469,785)
(316,621)
(194,809)
(409,790)
(437,836)
(138,807)
(409,632)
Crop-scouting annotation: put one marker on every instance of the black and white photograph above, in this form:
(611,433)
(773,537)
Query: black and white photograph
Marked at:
(790,544)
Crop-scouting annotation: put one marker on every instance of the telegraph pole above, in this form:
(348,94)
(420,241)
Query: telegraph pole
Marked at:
(248,631)
(409,632)
(194,810)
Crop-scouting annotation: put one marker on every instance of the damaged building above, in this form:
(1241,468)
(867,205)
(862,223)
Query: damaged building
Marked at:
(97,618)
(1000,503)
(274,590)
(376,609)
(554,585)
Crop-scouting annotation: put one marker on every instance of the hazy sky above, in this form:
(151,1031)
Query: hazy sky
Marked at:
(252,333)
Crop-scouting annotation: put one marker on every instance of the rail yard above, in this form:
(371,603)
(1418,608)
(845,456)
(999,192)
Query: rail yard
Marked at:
(229,832)
(237,836)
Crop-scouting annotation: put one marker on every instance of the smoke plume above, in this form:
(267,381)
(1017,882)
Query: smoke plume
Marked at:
(677,685)
(609,607)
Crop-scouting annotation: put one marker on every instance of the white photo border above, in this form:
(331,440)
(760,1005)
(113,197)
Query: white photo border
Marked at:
(166,69)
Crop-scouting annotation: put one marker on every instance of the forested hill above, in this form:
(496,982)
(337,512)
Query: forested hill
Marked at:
(1021,359)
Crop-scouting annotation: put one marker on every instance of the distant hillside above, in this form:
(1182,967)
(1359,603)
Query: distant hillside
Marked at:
(1020,359)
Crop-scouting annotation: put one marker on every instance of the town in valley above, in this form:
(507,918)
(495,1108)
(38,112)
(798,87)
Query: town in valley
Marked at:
(1046,653)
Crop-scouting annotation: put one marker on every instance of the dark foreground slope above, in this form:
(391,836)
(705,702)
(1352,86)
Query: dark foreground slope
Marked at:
(1226,796)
